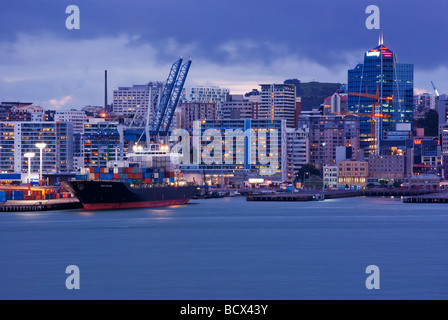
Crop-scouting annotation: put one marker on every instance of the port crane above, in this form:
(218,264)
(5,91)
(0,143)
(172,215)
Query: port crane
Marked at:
(374,140)
(162,103)
(169,99)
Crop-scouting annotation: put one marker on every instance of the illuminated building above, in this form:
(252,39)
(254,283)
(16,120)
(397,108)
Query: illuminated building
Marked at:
(18,138)
(134,100)
(353,173)
(327,133)
(381,70)
(100,142)
(278,101)
(243,156)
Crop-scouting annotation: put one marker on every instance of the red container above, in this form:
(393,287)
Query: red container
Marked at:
(115,175)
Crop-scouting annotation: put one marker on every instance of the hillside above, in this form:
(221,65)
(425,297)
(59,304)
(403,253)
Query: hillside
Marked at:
(313,93)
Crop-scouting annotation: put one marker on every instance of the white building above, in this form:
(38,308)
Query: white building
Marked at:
(74,116)
(330,177)
(297,143)
(19,138)
(211,94)
(134,100)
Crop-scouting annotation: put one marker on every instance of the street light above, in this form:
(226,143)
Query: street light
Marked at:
(29,155)
(41,146)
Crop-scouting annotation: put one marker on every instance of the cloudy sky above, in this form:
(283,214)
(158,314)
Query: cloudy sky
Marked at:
(236,44)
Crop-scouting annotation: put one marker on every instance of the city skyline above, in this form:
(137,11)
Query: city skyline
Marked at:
(231,44)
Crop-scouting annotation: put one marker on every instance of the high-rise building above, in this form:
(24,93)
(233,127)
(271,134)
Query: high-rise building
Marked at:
(278,101)
(442,109)
(237,107)
(210,94)
(251,148)
(101,142)
(297,154)
(74,116)
(134,100)
(423,103)
(327,133)
(394,82)
(189,112)
(18,138)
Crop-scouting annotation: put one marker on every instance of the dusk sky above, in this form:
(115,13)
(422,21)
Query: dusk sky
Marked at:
(235,44)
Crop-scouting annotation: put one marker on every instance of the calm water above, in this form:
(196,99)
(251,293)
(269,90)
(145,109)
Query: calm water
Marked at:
(229,249)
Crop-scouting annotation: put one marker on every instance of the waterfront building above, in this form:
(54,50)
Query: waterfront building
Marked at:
(278,101)
(328,132)
(353,173)
(424,181)
(257,150)
(394,80)
(297,155)
(389,168)
(443,129)
(100,142)
(427,156)
(330,174)
(18,138)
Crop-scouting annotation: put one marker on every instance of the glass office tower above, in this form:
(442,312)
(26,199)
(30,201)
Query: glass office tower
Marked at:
(381,71)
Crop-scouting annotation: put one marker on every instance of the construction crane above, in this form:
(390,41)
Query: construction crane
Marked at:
(435,90)
(373,115)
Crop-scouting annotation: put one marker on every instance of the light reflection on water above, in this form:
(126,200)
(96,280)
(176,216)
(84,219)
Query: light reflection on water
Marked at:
(229,249)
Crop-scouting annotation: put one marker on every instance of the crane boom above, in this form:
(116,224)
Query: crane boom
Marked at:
(166,95)
(435,90)
(177,91)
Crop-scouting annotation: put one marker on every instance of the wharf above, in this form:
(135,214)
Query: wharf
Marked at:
(428,198)
(40,205)
(322,195)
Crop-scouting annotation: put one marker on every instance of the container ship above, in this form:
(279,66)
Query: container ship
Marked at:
(146,179)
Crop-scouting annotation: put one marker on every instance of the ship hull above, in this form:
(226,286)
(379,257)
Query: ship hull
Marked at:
(109,195)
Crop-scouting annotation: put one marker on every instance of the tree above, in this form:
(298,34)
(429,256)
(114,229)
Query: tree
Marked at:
(308,168)
(397,183)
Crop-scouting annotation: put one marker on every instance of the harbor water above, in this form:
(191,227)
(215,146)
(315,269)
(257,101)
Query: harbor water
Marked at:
(229,249)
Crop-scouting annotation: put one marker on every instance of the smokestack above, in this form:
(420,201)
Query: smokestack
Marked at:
(106,108)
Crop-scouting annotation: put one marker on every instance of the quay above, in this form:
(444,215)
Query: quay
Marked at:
(40,205)
(322,195)
(428,198)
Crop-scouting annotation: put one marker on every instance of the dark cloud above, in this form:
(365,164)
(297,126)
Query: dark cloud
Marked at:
(328,34)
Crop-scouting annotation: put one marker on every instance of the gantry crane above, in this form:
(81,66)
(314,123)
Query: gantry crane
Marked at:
(373,115)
